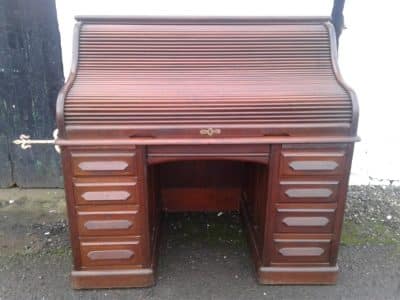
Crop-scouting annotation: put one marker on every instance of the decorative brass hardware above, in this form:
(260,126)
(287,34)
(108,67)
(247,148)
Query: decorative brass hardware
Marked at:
(313,165)
(210,131)
(25,141)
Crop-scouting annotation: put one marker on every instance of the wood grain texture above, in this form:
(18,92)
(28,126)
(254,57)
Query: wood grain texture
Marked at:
(105,190)
(300,190)
(298,275)
(312,162)
(259,62)
(312,221)
(201,199)
(306,252)
(104,252)
(205,114)
(97,279)
(109,221)
(99,162)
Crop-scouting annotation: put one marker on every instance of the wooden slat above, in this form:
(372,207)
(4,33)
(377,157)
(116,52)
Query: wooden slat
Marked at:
(271,73)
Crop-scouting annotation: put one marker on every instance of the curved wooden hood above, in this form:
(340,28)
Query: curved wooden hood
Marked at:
(174,77)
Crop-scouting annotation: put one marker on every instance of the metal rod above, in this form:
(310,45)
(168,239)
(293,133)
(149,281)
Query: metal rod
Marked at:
(26,142)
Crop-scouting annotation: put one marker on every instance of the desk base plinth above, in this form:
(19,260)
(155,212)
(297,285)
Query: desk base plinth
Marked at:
(297,275)
(112,278)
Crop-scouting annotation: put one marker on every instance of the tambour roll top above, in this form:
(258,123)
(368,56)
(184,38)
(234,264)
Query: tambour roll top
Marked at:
(174,77)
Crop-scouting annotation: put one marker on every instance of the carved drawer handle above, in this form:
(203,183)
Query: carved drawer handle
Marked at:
(106,196)
(313,165)
(110,254)
(308,193)
(103,165)
(108,225)
(305,221)
(301,251)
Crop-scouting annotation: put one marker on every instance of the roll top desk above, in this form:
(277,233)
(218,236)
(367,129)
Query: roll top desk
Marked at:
(205,114)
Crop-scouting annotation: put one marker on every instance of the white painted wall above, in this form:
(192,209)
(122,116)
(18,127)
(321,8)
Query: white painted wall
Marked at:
(369,58)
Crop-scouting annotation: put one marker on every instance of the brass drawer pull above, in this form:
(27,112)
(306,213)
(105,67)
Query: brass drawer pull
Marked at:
(309,193)
(301,251)
(305,221)
(106,196)
(103,165)
(108,225)
(313,165)
(110,254)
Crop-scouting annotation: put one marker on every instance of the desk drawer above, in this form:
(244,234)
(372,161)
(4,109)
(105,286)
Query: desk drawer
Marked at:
(292,191)
(111,252)
(312,162)
(301,251)
(105,190)
(98,162)
(124,220)
(290,220)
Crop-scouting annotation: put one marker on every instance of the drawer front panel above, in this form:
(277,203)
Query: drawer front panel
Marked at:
(114,190)
(308,191)
(301,251)
(293,221)
(111,253)
(104,223)
(299,162)
(103,163)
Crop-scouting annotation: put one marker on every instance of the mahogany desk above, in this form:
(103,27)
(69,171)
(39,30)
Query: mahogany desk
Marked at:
(205,114)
